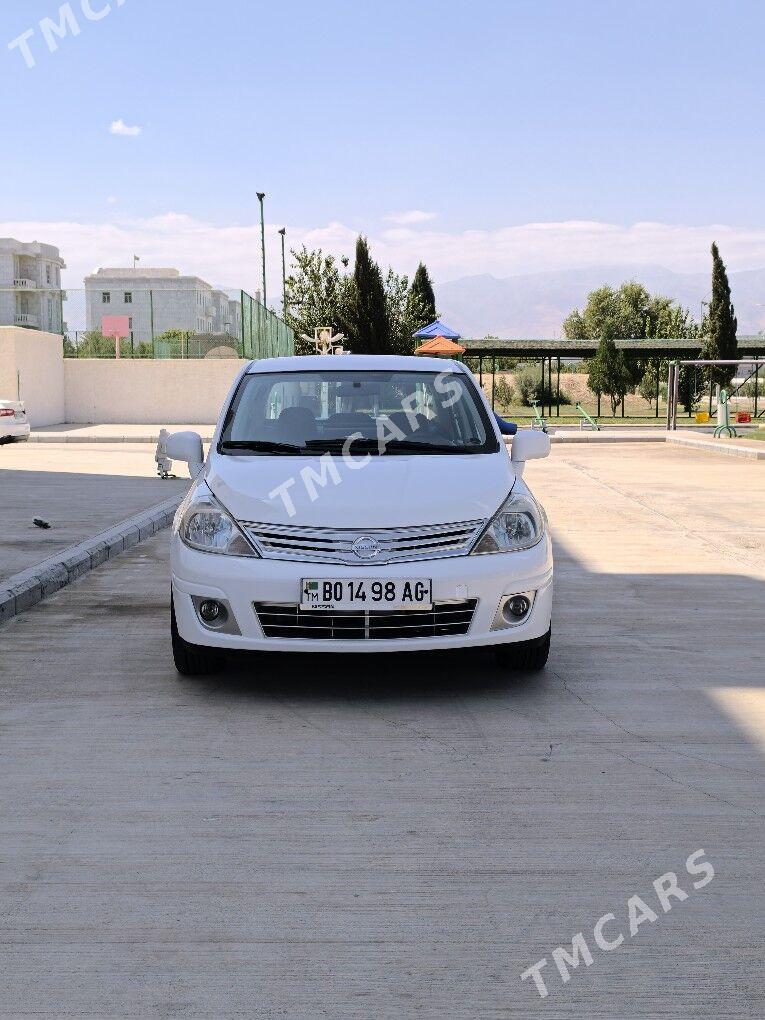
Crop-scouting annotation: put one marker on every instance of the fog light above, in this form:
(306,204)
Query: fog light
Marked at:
(211,611)
(517,607)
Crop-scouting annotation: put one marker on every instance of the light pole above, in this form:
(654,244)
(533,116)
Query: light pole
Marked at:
(283,232)
(261,195)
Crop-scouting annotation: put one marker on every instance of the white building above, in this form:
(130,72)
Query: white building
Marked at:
(157,300)
(30,285)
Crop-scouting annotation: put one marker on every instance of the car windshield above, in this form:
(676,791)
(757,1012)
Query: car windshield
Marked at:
(348,411)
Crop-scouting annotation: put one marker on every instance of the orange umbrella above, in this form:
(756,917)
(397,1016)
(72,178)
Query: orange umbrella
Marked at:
(440,346)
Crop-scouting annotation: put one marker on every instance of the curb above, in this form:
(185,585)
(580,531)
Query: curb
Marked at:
(725,448)
(595,438)
(42,437)
(608,437)
(24,590)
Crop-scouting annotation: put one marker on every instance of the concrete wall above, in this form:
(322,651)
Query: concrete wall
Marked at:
(104,391)
(32,370)
(166,392)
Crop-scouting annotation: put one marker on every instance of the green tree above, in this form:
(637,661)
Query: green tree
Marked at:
(173,343)
(369,321)
(626,313)
(721,341)
(610,373)
(421,302)
(504,393)
(672,322)
(377,314)
(318,294)
(630,312)
(93,344)
(397,294)
(528,381)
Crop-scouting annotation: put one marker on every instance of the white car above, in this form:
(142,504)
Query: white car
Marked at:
(13,421)
(359,504)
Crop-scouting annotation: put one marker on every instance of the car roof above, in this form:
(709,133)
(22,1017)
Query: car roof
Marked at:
(353,363)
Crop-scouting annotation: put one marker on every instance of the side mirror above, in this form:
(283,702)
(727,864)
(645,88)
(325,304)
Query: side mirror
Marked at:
(529,444)
(186,446)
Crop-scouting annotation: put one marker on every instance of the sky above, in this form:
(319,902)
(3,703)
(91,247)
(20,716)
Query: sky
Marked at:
(497,136)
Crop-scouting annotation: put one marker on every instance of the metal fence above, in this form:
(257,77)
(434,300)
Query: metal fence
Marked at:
(120,318)
(264,335)
(176,343)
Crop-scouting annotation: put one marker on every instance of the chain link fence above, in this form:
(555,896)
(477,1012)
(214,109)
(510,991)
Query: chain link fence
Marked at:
(122,319)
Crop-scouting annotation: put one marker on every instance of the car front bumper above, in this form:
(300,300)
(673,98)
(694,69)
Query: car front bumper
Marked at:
(242,581)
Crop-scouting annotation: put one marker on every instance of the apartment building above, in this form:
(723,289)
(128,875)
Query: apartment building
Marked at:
(157,300)
(30,285)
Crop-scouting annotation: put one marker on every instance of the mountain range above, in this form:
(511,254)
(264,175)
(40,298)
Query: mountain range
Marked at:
(535,305)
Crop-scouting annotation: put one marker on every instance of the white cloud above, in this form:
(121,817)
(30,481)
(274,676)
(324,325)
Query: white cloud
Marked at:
(119,127)
(230,255)
(111,200)
(410,218)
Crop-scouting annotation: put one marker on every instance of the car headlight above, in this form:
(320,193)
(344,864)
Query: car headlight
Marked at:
(519,524)
(204,524)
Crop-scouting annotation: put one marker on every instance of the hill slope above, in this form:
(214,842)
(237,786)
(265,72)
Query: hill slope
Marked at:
(536,304)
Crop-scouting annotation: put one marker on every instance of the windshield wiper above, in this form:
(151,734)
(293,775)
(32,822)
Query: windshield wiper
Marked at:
(411,446)
(368,445)
(260,446)
(336,445)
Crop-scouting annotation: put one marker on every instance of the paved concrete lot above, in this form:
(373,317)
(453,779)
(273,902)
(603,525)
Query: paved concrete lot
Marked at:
(402,837)
(80,490)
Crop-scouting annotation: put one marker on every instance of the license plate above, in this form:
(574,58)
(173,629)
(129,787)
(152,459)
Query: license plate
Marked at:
(334,593)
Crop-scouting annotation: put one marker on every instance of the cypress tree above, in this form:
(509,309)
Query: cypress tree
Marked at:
(721,341)
(369,321)
(421,301)
(610,373)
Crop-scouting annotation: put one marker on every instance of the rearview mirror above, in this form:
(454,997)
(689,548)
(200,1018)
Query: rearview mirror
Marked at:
(529,444)
(186,446)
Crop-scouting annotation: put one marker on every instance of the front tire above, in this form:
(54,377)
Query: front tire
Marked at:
(191,660)
(524,656)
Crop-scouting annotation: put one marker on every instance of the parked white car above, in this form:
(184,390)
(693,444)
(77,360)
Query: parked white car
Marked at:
(359,504)
(13,421)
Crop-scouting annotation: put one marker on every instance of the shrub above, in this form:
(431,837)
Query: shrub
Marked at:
(529,382)
(504,394)
(749,389)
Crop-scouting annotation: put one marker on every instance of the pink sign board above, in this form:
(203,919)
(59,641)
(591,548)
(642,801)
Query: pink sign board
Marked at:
(117,326)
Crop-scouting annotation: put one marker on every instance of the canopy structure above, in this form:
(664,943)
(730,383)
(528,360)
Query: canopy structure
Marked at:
(482,355)
(576,349)
(440,346)
(436,329)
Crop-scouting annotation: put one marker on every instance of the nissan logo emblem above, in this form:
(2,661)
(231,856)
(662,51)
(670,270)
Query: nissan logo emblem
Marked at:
(366,547)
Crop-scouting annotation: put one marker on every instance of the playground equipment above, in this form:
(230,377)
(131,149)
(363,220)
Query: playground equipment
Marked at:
(724,427)
(586,421)
(325,340)
(539,422)
(751,366)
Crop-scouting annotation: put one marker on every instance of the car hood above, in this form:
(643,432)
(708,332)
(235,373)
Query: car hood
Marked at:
(387,492)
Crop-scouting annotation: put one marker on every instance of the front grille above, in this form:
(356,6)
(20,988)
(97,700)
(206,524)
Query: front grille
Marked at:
(280,620)
(332,545)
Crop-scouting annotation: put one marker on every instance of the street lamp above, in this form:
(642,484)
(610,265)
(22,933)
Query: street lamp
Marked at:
(283,232)
(261,195)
